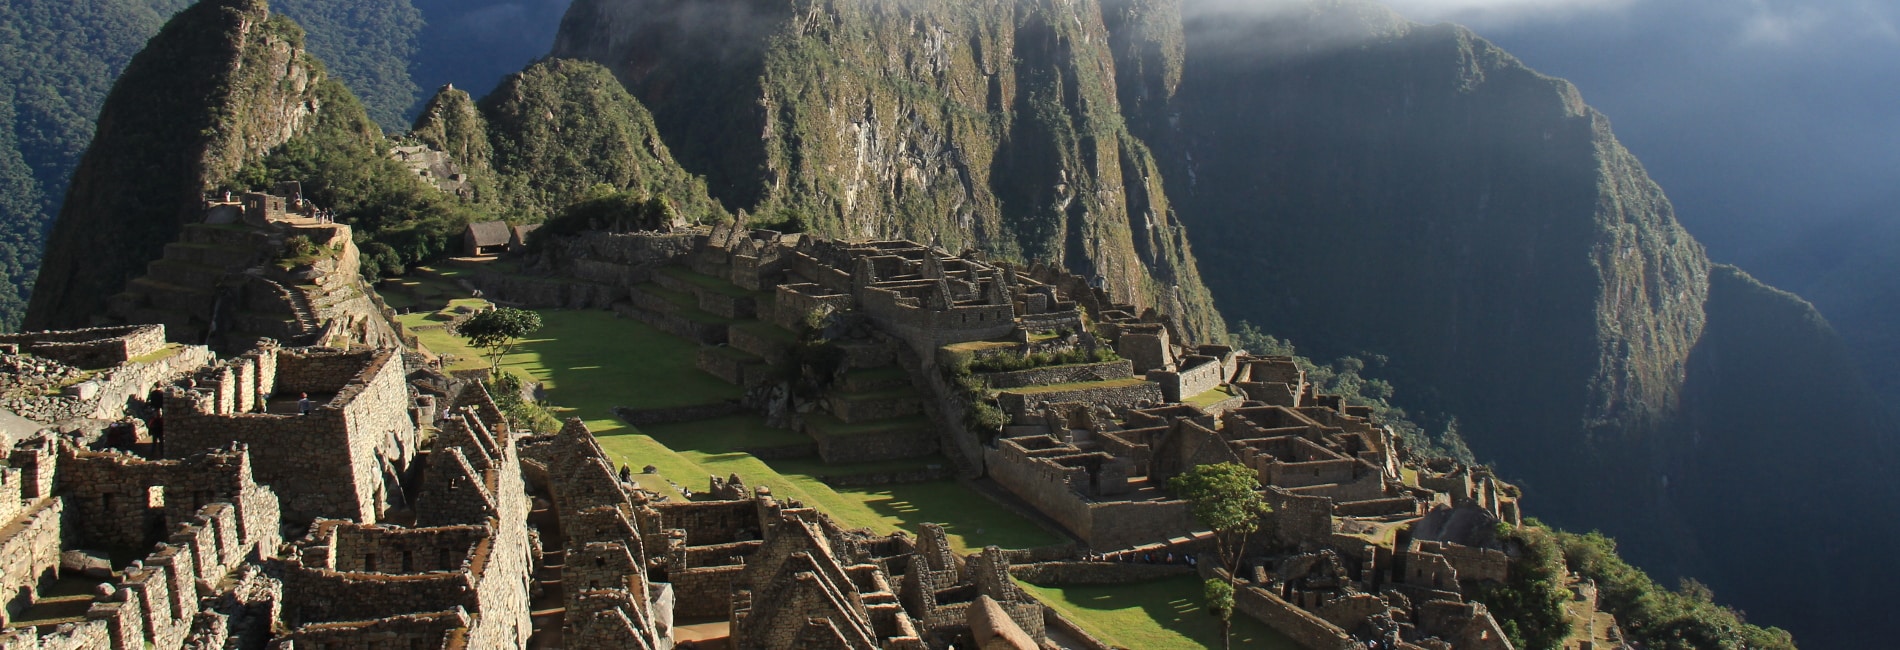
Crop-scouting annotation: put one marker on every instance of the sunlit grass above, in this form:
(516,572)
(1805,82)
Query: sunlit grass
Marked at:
(1160,615)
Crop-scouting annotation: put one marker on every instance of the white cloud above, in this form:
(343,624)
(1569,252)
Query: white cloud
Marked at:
(1789,24)
(1494,13)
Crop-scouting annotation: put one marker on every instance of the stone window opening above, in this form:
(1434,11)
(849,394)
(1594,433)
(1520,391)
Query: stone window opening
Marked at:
(408,562)
(155,497)
(446,566)
(369,562)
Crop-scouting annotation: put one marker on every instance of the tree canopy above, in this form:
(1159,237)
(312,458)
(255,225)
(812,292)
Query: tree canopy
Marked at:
(497,330)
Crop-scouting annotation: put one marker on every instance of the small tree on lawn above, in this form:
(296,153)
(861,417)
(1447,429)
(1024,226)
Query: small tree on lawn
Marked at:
(1220,603)
(1226,498)
(497,331)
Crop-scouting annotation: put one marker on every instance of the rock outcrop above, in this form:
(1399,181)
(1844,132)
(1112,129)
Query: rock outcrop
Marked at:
(223,82)
(993,125)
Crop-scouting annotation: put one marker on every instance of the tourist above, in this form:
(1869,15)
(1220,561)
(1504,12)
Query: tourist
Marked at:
(303,404)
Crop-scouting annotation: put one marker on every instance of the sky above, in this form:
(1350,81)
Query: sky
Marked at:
(1766,122)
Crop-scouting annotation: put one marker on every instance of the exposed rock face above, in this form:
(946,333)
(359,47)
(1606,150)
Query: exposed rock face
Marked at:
(992,124)
(225,81)
(450,123)
(1360,183)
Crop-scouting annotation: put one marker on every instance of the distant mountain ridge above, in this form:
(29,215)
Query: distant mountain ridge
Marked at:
(1360,183)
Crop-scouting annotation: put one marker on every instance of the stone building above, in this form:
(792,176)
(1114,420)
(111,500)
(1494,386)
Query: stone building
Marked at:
(344,458)
(424,548)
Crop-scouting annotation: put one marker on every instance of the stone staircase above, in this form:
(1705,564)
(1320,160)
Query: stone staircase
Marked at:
(303,313)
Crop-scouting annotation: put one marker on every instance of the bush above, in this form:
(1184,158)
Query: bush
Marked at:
(522,414)
(1010,362)
(1656,617)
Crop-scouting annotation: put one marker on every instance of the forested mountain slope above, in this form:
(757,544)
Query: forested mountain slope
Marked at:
(225,81)
(991,125)
(1360,183)
(59,59)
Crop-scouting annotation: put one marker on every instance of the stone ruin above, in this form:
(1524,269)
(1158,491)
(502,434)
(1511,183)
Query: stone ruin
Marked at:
(1091,446)
(257,525)
(230,280)
(1362,546)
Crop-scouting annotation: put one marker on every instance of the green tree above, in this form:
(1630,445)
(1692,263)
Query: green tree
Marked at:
(1220,603)
(497,331)
(1224,497)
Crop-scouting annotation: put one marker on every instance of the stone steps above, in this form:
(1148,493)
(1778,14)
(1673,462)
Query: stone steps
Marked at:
(879,440)
(865,380)
(890,403)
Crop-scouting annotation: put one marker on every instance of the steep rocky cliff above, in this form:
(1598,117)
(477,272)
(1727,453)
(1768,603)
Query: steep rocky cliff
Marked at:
(1360,183)
(223,82)
(993,125)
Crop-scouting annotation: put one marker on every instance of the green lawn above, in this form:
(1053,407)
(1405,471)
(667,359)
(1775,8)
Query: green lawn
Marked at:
(1161,615)
(1217,395)
(591,362)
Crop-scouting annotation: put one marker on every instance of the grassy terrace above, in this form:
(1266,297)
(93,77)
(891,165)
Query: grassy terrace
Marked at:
(1161,614)
(591,362)
(1089,385)
(1212,397)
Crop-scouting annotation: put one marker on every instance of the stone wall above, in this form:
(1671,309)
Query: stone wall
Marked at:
(1198,374)
(794,301)
(156,602)
(324,596)
(1099,524)
(94,348)
(119,501)
(1309,631)
(704,592)
(1299,519)
(547,292)
(897,444)
(362,437)
(29,553)
(1068,374)
(432,630)
(1124,396)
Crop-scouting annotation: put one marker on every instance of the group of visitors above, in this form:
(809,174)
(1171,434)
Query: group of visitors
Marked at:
(1143,557)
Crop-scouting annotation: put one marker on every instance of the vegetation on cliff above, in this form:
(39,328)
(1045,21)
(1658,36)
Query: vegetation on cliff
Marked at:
(1530,606)
(369,45)
(992,125)
(224,81)
(57,62)
(560,128)
(342,164)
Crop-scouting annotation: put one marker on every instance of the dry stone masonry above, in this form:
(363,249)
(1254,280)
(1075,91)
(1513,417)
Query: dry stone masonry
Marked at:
(158,495)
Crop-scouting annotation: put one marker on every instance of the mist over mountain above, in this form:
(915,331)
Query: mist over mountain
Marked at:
(1774,126)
